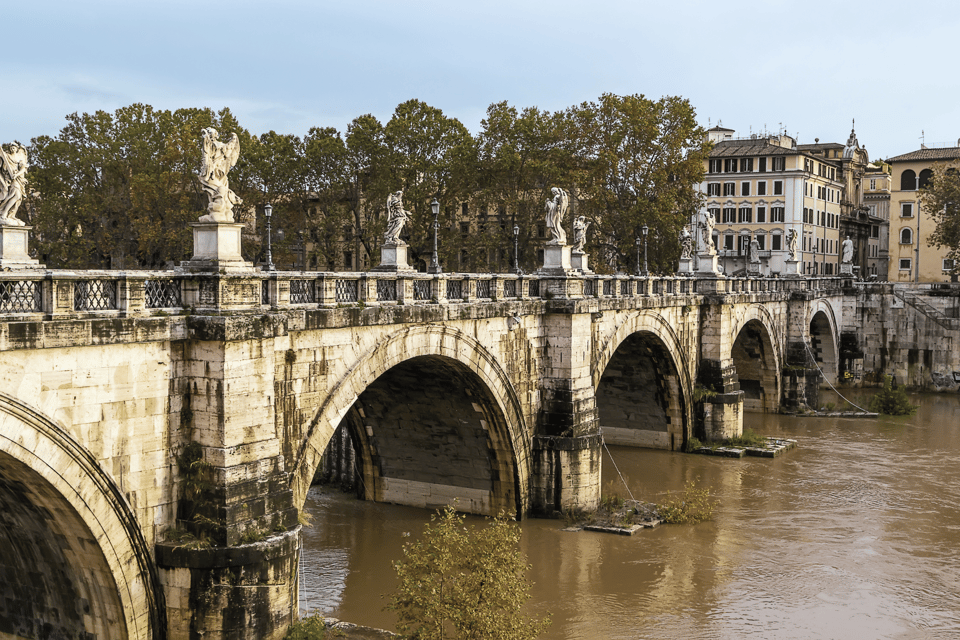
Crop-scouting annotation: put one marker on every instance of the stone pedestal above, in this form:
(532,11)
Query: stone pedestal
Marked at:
(13,249)
(686,265)
(393,257)
(216,247)
(565,474)
(753,269)
(578,261)
(708,264)
(792,269)
(846,269)
(556,259)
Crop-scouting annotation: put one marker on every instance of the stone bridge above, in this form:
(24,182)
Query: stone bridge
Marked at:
(159,430)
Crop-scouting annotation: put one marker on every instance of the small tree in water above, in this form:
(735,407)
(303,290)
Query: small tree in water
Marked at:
(464,583)
(892,401)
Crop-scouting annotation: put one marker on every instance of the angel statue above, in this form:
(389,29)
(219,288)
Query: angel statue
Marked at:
(686,243)
(580,225)
(218,159)
(13,183)
(396,217)
(706,227)
(556,208)
(792,242)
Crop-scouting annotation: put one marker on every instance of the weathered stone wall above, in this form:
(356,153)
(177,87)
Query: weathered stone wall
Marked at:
(898,338)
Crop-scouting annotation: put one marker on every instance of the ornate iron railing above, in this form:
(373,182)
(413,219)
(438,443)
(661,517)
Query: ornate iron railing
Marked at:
(346,290)
(302,292)
(94,295)
(454,289)
(161,294)
(386,290)
(483,288)
(533,289)
(509,288)
(421,290)
(20,296)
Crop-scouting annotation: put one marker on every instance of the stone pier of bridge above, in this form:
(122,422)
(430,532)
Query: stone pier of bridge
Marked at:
(159,430)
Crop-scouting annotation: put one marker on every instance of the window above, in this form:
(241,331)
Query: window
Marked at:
(729,214)
(906,209)
(716,165)
(947,264)
(713,189)
(906,235)
(762,165)
(746,214)
(778,187)
(779,164)
(908,180)
(762,188)
(728,242)
(776,214)
(348,260)
(776,242)
(873,184)
(464,209)
(729,188)
(761,214)
(744,188)
(465,228)
(925,176)
(806,165)
(905,264)
(746,164)
(761,242)
(541,231)
(715,213)
(730,165)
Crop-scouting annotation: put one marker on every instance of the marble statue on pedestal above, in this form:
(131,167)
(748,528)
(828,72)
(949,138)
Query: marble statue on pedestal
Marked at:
(13,183)
(686,243)
(847,247)
(218,159)
(580,225)
(754,251)
(396,218)
(793,245)
(556,208)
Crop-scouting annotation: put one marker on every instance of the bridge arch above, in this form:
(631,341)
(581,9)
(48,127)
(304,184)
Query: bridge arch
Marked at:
(65,525)
(823,338)
(482,386)
(642,383)
(757,354)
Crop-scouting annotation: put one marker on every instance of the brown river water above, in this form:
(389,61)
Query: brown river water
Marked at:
(854,534)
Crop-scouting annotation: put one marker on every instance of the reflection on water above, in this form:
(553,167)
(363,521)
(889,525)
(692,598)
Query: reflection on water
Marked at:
(852,535)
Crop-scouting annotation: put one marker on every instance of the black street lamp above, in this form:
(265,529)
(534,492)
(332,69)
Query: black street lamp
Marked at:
(639,273)
(644,229)
(516,253)
(434,263)
(267,212)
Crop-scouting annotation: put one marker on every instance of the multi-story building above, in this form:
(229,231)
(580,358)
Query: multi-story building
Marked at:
(760,188)
(876,187)
(911,258)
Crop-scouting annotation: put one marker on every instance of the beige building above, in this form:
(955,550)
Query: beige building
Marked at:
(876,186)
(910,226)
(760,188)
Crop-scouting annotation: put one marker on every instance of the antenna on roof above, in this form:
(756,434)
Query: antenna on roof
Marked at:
(923,139)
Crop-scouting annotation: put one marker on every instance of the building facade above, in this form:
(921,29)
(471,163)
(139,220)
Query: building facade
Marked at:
(911,258)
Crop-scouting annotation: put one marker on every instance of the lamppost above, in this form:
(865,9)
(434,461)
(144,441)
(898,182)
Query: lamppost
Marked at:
(434,263)
(639,273)
(644,229)
(516,253)
(267,212)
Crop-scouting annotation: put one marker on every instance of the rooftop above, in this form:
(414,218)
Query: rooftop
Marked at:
(946,153)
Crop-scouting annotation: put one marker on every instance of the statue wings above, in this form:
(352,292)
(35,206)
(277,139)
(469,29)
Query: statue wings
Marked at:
(231,150)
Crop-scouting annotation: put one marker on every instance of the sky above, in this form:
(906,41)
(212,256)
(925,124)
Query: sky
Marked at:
(289,65)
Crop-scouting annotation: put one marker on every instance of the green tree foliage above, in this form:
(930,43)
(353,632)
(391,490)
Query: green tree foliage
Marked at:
(464,583)
(639,160)
(892,401)
(941,199)
(120,188)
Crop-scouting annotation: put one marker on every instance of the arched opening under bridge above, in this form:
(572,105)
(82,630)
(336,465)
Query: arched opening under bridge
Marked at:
(823,344)
(640,399)
(754,357)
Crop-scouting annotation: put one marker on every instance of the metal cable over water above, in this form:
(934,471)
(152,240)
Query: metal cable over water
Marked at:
(827,380)
(618,469)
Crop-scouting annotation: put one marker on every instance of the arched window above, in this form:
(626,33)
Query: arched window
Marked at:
(925,176)
(906,235)
(908,180)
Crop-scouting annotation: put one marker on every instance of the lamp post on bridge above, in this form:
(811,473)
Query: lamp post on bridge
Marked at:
(267,213)
(637,268)
(644,229)
(516,253)
(434,262)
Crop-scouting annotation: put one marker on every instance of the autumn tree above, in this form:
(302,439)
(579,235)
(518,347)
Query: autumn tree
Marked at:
(940,198)
(465,583)
(119,189)
(638,161)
